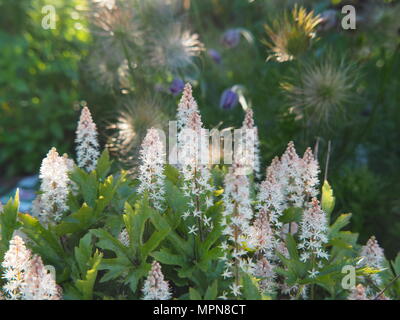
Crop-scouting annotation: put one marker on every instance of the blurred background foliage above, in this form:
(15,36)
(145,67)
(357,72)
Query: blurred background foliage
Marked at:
(128,60)
(39,82)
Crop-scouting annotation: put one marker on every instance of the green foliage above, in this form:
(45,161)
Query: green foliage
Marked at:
(8,223)
(195,261)
(85,272)
(92,261)
(67,245)
(391,277)
(132,261)
(38,83)
(250,288)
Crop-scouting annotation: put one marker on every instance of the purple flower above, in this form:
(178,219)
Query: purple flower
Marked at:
(214,54)
(177,86)
(229,99)
(231,38)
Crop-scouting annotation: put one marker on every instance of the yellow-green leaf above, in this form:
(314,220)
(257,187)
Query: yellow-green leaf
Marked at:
(327,199)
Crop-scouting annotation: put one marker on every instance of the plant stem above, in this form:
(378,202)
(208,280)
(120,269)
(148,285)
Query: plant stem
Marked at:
(387,287)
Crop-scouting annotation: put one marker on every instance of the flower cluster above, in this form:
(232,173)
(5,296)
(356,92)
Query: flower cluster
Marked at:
(236,220)
(155,287)
(291,177)
(374,257)
(193,155)
(54,187)
(313,235)
(87,149)
(296,178)
(270,198)
(264,270)
(248,151)
(262,237)
(151,170)
(290,181)
(39,282)
(26,276)
(186,106)
(15,264)
(309,176)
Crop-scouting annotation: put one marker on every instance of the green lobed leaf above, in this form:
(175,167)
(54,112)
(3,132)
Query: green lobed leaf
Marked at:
(87,184)
(103,165)
(86,284)
(292,214)
(342,221)
(77,221)
(250,288)
(83,253)
(135,223)
(166,257)
(212,291)
(194,294)
(45,241)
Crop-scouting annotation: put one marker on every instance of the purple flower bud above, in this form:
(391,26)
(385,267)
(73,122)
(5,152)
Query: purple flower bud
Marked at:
(231,38)
(214,54)
(177,86)
(229,99)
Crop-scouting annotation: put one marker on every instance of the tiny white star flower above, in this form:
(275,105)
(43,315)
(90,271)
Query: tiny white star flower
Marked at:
(185,215)
(193,230)
(227,274)
(196,213)
(209,202)
(224,246)
(235,289)
(207,221)
(313,273)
